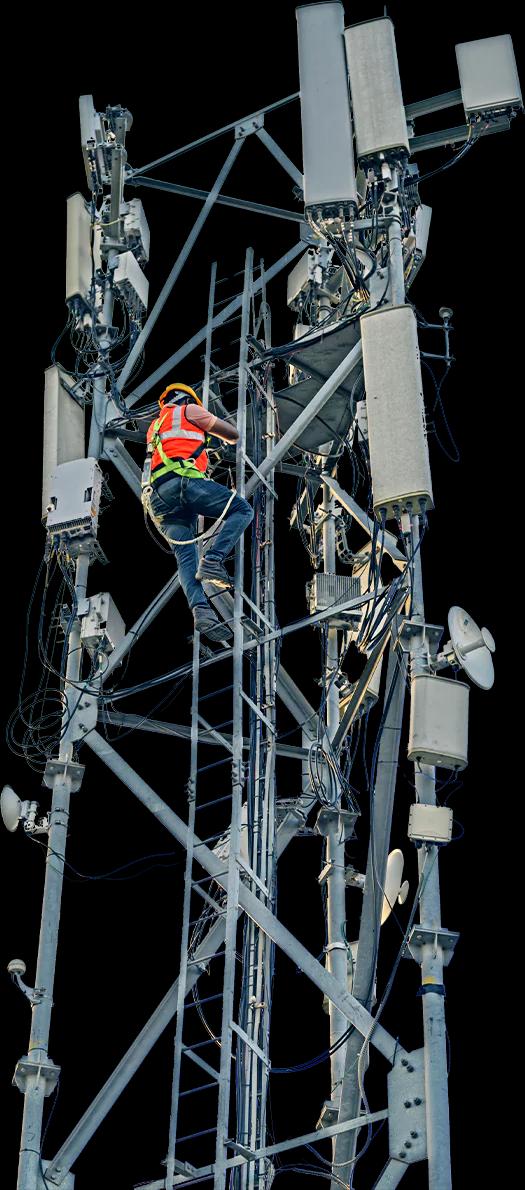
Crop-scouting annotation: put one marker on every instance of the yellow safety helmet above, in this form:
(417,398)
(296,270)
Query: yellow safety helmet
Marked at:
(185,388)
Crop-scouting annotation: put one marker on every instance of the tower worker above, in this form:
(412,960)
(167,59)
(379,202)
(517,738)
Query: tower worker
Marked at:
(176,490)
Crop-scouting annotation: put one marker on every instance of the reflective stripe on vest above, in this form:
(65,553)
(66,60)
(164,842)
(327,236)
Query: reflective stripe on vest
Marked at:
(179,439)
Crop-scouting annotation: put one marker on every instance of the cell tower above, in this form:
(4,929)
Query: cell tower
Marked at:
(354,387)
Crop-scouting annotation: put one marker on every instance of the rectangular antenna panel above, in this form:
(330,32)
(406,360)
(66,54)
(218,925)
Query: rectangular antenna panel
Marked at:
(416,243)
(328,156)
(92,139)
(377,101)
(79,266)
(438,722)
(396,417)
(64,430)
(130,279)
(488,75)
(75,492)
(300,276)
(136,229)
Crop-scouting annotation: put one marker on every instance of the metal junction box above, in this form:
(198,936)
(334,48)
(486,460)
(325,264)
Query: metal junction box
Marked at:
(438,722)
(327,590)
(488,76)
(377,101)
(102,625)
(328,155)
(74,500)
(396,416)
(430,824)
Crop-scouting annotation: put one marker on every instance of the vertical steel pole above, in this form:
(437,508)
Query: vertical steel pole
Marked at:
(368,945)
(258,978)
(434,1028)
(336,953)
(34,1081)
(223,1110)
(100,396)
(395,250)
(382,806)
(183,973)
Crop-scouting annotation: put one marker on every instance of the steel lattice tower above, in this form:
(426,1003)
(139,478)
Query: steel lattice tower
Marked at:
(354,385)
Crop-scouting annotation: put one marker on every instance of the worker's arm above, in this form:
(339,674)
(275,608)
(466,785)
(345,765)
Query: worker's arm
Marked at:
(206,421)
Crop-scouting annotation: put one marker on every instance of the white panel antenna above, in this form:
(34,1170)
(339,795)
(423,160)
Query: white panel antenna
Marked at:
(488,76)
(64,429)
(82,258)
(328,157)
(396,427)
(377,100)
(438,721)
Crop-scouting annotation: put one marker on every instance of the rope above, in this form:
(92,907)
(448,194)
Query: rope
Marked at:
(145,498)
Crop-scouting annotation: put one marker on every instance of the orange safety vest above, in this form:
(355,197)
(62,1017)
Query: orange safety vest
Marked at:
(179,438)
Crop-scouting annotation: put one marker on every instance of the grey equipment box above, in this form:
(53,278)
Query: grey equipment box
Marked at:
(102,625)
(74,500)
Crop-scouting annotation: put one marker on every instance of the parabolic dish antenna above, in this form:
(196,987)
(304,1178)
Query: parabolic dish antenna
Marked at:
(395,888)
(473,647)
(10,808)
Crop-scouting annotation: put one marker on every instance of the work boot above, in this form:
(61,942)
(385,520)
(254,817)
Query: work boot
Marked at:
(207,622)
(211,570)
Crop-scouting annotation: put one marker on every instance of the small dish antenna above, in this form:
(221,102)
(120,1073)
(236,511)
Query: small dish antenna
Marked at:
(14,810)
(11,808)
(396,889)
(472,647)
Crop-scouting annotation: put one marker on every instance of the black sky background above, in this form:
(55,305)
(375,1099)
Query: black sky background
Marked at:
(182,74)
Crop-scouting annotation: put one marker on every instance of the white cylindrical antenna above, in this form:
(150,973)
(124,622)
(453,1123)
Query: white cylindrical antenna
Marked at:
(328,158)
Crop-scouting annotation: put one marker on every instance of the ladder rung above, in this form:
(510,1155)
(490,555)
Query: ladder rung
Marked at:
(195,1090)
(205,1000)
(194,1135)
(215,693)
(203,879)
(219,912)
(227,798)
(210,839)
(215,764)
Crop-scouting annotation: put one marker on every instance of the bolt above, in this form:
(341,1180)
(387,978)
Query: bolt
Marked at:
(410,1069)
(417,1101)
(402,1153)
(408,1144)
(404,1061)
(408,1103)
(414,1135)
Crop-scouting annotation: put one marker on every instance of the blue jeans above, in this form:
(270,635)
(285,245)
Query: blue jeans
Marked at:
(176,501)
